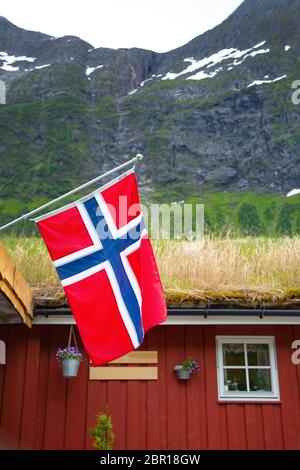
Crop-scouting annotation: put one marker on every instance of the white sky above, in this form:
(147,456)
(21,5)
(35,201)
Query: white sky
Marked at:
(159,25)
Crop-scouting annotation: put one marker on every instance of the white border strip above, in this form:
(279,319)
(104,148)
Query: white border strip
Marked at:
(60,319)
(122,307)
(129,271)
(97,245)
(107,215)
(84,274)
(133,223)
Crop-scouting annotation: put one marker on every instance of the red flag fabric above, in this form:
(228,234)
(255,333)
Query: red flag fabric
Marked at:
(104,258)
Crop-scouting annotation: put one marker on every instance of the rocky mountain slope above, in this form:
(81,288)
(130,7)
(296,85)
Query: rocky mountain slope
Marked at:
(214,115)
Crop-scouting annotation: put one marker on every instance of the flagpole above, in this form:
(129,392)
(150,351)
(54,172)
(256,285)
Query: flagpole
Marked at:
(134,160)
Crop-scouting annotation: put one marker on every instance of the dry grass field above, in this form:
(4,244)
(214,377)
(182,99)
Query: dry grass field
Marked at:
(251,269)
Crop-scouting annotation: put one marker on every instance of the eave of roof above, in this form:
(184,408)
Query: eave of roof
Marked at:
(16,297)
(191,316)
(199,299)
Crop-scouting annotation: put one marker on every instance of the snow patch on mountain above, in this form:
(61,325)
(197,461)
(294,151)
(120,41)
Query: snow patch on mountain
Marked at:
(199,64)
(263,82)
(90,70)
(146,81)
(38,67)
(214,59)
(260,44)
(8,60)
(132,92)
(143,83)
(251,54)
(201,75)
(294,192)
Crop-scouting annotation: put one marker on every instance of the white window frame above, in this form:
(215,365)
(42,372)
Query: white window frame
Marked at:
(224,395)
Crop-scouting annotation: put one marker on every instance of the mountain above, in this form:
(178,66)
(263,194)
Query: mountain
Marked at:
(213,116)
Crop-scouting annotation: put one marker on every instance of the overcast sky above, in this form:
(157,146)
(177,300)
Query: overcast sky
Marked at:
(159,25)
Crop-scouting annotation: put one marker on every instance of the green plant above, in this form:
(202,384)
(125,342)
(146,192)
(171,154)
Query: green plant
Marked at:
(102,432)
(233,385)
(191,365)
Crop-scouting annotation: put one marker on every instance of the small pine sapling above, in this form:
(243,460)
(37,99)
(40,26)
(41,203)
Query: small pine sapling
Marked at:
(102,432)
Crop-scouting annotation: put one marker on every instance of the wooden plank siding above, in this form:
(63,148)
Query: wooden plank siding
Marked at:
(41,410)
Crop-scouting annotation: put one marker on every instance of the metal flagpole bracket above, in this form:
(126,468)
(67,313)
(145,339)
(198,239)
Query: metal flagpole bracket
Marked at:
(134,160)
(138,158)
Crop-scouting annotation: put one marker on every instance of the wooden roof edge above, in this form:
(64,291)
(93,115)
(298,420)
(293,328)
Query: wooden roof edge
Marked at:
(15,288)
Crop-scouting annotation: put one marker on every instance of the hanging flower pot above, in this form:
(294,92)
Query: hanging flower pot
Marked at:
(182,373)
(189,367)
(69,358)
(70,367)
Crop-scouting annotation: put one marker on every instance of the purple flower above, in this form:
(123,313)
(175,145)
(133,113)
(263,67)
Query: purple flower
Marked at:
(191,365)
(68,353)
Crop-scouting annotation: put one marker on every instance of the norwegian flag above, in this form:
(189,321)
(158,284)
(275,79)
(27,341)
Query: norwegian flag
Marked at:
(106,265)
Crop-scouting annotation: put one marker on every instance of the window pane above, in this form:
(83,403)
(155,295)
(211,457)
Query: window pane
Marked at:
(235,380)
(233,355)
(258,354)
(260,379)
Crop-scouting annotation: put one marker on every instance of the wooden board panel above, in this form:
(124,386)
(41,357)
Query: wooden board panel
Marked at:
(57,388)
(289,394)
(76,415)
(123,373)
(42,385)
(214,423)
(30,395)
(12,403)
(137,357)
(117,394)
(176,391)
(97,400)
(195,434)
(153,404)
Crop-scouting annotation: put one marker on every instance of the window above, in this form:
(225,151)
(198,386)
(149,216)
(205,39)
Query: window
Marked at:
(247,368)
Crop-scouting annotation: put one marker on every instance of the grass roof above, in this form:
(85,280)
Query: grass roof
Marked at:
(229,271)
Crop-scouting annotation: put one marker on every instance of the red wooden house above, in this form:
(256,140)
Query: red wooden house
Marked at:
(245,396)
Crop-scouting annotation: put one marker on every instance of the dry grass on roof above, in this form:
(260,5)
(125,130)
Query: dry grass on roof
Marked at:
(242,270)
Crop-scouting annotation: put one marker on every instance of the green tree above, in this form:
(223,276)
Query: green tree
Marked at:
(102,432)
(248,219)
(284,221)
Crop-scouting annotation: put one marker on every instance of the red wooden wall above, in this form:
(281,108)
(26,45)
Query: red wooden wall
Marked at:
(41,410)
